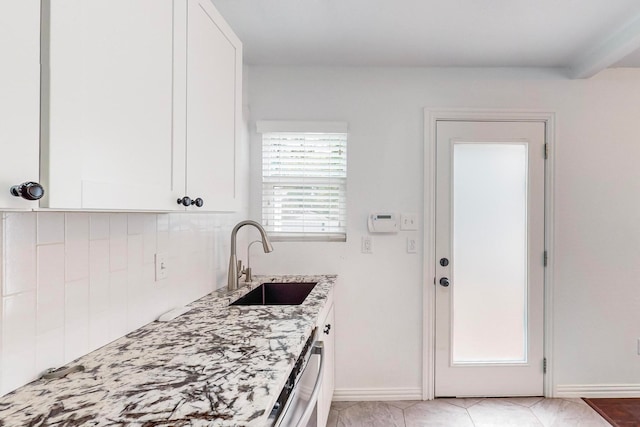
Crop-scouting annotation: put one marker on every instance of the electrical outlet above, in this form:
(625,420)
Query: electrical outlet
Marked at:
(162,269)
(408,221)
(412,245)
(367,245)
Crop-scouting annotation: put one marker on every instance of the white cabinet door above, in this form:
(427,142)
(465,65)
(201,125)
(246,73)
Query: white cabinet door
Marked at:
(109,143)
(214,80)
(19,97)
(327,336)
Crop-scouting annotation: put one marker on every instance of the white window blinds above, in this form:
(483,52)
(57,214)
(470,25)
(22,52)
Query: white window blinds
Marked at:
(304,185)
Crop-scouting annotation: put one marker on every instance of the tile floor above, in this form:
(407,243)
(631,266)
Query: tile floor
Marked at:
(490,412)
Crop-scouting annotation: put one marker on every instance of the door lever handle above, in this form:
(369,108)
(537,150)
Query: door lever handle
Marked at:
(444,282)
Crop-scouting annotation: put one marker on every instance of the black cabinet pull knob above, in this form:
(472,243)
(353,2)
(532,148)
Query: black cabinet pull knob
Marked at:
(185,201)
(444,282)
(327,328)
(198,202)
(444,262)
(28,190)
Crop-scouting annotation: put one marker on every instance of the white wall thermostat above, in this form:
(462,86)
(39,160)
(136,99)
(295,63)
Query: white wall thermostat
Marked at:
(383,223)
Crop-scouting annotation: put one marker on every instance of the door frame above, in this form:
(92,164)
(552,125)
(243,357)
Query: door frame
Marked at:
(431,116)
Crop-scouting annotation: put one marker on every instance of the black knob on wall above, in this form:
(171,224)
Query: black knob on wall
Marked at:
(28,190)
(185,201)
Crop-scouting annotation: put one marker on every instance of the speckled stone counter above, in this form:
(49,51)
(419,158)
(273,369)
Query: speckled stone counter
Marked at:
(217,365)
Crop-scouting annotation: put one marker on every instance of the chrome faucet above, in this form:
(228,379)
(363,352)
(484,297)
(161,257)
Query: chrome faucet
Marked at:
(235,266)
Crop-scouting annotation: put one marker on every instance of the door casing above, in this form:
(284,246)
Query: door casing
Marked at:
(429,273)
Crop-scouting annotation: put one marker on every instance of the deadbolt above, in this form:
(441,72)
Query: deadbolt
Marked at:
(444,262)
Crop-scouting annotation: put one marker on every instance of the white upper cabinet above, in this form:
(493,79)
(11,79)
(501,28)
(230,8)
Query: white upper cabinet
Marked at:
(141,102)
(110,142)
(19,98)
(214,78)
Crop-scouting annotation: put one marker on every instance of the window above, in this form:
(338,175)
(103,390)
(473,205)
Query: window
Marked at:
(304,180)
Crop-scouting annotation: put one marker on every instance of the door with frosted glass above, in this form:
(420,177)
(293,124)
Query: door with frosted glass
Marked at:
(489,258)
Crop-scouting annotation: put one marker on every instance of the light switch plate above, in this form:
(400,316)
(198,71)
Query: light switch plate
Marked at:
(367,245)
(409,221)
(412,245)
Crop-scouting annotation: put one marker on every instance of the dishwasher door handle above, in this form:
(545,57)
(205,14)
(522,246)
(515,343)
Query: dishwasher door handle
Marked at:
(318,348)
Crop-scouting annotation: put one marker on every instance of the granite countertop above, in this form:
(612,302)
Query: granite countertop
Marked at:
(213,366)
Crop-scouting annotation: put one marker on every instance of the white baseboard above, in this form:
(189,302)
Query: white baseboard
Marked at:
(376,394)
(598,390)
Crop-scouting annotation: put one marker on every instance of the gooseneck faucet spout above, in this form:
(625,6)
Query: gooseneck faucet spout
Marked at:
(235,266)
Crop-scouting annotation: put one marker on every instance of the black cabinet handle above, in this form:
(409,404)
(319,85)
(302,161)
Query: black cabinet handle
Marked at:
(28,190)
(198,202)
(327,328)
(185,201)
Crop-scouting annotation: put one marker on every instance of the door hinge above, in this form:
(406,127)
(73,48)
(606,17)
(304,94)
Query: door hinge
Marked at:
(546,151)
(545,258)
(544,365)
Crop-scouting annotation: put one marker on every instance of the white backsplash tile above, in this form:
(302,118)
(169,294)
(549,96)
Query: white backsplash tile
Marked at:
(18,368)
(149,238)
(50,265)
(117,304)
(76,303)
(76,281)
(49,349)
(76,246)
(98,226)
(18,340)
(118,253)
(76,341)
(163,222)
(135,252)
(50,227)
(99,334)
(117,225)
(99,276)
(20,253)
(77,226)
(19,321)
(135,223)
(51,306)
(50,290)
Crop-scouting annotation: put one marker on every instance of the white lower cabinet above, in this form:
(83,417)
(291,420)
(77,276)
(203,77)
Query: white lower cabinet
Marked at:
(326,328)
(19,98)
(141,105)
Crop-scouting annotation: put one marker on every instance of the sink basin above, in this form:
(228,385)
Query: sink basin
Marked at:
(277,294)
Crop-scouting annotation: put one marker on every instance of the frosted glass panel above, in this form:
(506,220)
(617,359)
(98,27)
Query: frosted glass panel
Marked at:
(489,273)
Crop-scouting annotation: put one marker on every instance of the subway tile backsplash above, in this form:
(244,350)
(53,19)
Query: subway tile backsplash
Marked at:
(75,281)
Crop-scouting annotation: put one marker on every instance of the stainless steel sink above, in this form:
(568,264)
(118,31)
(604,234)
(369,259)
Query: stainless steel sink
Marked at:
(277,294)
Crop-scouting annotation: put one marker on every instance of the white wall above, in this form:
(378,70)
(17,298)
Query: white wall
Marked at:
(378,301)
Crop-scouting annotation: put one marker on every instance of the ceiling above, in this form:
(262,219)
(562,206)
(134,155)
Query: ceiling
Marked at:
(581,36)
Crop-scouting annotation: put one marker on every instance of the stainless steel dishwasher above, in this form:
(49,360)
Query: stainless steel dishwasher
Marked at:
(296,405)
